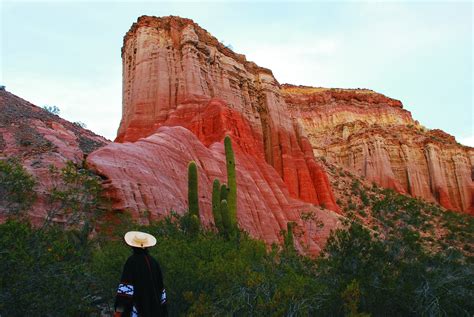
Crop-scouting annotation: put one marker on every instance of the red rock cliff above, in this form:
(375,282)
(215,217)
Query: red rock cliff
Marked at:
(176,74)
(375,137)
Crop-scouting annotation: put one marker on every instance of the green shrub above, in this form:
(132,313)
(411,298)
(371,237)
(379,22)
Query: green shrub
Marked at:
(16,187)
(43,272)
(75,198)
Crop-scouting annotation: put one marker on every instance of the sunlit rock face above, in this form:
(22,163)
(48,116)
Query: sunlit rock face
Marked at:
(39,139)
(150,175)
(176,74)
(373,136)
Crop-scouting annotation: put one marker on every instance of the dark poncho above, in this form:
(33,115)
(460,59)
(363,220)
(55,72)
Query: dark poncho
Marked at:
(141,292)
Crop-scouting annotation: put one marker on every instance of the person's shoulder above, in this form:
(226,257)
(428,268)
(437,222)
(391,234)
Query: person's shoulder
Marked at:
(131,259)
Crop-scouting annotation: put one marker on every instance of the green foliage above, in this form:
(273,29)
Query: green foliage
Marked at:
(54,272)
(16,187)
(395,276)
(365,199)
(289,242)
(80,124)
(50,272)
(351,298)
(400,214)
(43,272)
(231,180)
(193,196)
(355,186)
(52,109)
(189,224)
(75,197)
(224,191)
(216,205)
(226,219)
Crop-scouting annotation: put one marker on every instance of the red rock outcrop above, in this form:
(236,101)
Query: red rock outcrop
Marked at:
(176,73)
(40,139)
(150,175)
(373,135)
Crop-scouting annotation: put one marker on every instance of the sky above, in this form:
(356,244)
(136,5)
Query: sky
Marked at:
(67,53)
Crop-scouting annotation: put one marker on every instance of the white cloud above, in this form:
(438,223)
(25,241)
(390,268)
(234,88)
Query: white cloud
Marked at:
(469,141)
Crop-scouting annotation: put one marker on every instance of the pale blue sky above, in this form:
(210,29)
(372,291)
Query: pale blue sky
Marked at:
(67,53)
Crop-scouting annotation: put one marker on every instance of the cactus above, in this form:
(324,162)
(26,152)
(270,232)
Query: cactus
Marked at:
(224,192)
(194,224)
(216,202)
(226,220)
(193,198)
(231,181)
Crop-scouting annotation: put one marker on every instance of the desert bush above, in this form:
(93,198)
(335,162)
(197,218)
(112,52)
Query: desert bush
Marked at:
(75,198)
(52,109)
(16,187)
(43,272)
(50,271)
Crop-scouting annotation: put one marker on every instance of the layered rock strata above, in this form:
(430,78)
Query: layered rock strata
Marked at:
(150,175)
(183,91)
(176,73)
(373,136)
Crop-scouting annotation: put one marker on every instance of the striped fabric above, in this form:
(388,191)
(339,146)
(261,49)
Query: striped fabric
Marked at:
(163,297)
(134,312)
(125,289)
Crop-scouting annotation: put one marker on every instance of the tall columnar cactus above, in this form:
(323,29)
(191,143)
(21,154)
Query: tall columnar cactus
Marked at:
(231,181)
(224,192)
(193,197)
(216,204)
(226,219)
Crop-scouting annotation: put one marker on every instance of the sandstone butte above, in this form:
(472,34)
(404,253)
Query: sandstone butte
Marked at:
(183,91)
(40,139)
(374,137)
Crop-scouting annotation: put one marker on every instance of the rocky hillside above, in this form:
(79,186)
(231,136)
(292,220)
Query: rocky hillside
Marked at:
(39,139)
(374,137)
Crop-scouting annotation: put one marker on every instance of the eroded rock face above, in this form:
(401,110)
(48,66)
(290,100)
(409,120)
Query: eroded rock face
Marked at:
(373,135)
(176,73)
(150,175)
(183,91)
(40,139)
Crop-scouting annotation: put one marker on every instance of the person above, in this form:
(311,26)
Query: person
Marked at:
(141,292)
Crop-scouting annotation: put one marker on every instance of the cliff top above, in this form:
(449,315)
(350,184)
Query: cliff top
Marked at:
(178,24)
(323,95)
(301,89)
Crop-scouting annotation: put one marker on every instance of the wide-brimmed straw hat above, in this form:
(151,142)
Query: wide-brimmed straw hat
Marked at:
(139,239)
